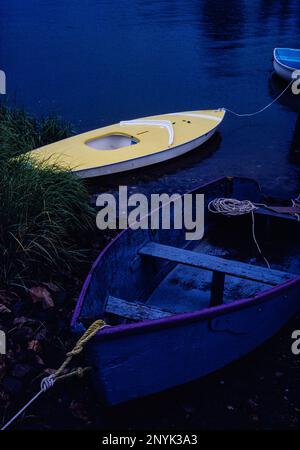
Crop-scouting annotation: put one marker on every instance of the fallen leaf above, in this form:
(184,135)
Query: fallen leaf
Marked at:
(52,287)
(39,360)
(4,309)
(41,294)
(34,345)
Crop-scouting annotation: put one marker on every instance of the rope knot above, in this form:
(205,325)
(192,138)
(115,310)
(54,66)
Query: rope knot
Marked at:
(47,383)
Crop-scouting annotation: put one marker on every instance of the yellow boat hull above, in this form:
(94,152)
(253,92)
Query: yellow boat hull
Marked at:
(131,144)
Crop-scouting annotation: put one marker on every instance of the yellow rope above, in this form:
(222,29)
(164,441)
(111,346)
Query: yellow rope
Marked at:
(48,382)
(89,333)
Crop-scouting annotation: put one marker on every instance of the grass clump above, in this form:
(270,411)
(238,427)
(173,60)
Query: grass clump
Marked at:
(44,212)
(20,132)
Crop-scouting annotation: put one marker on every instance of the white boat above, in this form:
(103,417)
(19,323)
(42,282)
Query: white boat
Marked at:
(132,144)
(286,62)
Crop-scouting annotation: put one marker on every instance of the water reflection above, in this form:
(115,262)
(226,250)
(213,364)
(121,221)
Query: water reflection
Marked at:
(171,168)
(98,62)
(295,144)
(223,21)
(288,99)
(279,9)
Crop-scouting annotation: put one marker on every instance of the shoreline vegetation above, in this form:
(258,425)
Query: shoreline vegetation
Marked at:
(45,211)
(47,241)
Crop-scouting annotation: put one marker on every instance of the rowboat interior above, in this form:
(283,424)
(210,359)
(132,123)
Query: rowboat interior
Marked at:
(289,57)
(147,275)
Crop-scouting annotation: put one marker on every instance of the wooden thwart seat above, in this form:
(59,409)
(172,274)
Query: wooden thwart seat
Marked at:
(133,310)
(219,266)
(214,263)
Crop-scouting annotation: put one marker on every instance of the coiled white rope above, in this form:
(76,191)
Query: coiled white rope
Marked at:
(231,206)
(234,207)
(46,384)
(264,108)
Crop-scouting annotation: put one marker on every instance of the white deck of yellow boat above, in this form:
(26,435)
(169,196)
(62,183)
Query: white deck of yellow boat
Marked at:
(131,144)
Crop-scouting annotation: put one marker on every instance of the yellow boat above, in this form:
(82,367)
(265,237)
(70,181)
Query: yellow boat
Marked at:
(132,144)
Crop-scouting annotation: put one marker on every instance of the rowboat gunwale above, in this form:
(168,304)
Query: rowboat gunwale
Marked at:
(180,318)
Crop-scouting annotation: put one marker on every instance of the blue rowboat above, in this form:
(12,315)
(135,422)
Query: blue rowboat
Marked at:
(286,61)
(181,309)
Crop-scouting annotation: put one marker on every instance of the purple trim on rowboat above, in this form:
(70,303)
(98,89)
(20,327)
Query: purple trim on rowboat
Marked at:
(206,313)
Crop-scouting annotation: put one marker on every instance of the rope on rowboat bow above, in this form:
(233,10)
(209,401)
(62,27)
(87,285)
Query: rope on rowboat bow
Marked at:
(234,207)
(48,382)
(264,108)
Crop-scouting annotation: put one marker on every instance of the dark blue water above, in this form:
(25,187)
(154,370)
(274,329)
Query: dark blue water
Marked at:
(95,62)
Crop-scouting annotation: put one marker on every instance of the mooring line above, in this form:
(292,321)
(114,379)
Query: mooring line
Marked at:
(48,382)
(262,109)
